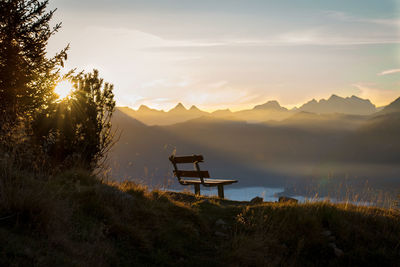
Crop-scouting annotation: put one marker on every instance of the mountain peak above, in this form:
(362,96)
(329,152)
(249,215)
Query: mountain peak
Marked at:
(333,96)
(143,108)
(179,107)
(196,111)
(273,104)
(193,107)
(336,104)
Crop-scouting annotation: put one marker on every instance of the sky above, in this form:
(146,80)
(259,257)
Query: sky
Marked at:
(234,53)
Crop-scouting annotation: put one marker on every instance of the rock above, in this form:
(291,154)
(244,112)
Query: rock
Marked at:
(338,252)
(287,199)
(257,200)
(220,222)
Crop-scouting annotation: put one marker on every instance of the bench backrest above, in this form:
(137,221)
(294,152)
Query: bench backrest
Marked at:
(196,173)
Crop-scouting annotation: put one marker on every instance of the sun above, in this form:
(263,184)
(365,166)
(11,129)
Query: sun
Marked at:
(63,89)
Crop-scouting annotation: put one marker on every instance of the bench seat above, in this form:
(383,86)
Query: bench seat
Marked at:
(211,182)
(185,177)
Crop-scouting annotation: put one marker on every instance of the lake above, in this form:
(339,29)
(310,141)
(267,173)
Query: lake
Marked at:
(268,194)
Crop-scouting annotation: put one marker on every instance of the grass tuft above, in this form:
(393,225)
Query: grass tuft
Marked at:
(76,219)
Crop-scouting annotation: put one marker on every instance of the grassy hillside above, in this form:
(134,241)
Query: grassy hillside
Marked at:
(76,220)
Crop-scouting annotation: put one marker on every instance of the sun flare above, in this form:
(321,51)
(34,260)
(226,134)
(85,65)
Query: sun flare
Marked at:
(63,89)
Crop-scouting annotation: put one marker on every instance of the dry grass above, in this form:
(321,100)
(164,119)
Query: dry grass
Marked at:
(74,219)
(292,235)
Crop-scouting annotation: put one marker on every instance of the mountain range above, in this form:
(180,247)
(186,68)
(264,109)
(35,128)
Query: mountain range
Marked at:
(301,147)
(336,104)
(269,111)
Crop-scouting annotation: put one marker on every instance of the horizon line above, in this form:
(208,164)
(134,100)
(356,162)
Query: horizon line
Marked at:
(252,106)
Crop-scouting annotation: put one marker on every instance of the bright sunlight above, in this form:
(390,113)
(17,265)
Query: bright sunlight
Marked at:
(63,89)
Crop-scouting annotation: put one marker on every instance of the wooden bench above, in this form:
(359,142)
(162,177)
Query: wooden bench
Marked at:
(202,176)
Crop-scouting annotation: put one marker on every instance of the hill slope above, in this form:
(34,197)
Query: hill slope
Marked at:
(75,220)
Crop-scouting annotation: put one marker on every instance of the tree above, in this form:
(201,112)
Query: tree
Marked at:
(78,132)
(27,76)
(77,129)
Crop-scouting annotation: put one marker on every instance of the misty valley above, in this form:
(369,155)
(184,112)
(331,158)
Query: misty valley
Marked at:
(341,148)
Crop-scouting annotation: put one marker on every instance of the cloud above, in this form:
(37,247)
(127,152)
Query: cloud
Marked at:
(313,36)
(217,85)
(159,83)
(205,94)
(342,16)
(386,72)
(129,44)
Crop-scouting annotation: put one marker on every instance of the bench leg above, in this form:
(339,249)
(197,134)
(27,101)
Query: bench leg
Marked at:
(220,191)
(197,189)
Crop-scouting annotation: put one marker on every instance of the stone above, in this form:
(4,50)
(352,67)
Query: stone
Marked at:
(257,200)
(287,199)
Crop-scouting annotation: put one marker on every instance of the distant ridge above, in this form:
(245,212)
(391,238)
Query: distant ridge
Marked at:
(271,105)
(336,104)
(179,107)
(266,112)
(194,108)
(144,108)
(222,113)
(392,107)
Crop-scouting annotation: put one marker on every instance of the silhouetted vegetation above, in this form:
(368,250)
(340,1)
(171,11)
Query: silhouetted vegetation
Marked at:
(27,76)
(38,130)
(78,130)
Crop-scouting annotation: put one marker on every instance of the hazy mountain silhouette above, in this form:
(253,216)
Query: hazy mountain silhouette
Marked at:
(392,107)
(275,154)
(178,108)
(145,114)
(270,105)
(336,104)
(159,117)
(269,111)
(142,151)
(329,121)
(222,113)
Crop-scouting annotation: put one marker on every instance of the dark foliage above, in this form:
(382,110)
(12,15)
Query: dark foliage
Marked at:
(36,129)
(27,76)
(78,131)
